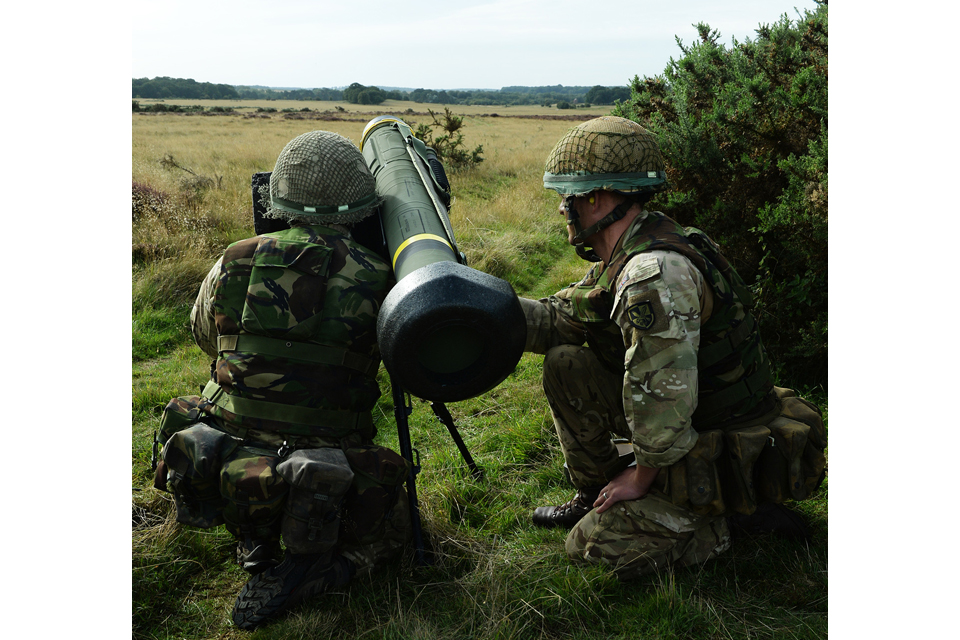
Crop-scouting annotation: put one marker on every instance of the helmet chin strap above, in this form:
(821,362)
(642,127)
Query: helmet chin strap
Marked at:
(581,234)
(573,220)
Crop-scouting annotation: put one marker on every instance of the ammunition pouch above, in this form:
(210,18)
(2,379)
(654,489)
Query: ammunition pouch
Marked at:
(736,468)
(253,491)
(794,464)
(179,414)
(379,475)
(318,480)
(192,457)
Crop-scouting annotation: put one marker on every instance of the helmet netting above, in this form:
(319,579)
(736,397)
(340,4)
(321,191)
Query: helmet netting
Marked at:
(321,169)
(606,145)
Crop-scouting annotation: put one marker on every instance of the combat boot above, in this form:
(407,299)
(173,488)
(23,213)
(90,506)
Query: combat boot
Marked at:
(569,513)
(769,518)
(279,588)
(255,556)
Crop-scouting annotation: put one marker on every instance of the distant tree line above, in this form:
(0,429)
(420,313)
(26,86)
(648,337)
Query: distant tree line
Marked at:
(607,95)
(260,93)
(181,88)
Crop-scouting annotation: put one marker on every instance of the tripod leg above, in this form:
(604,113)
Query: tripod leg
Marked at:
(444,416)
(401,410)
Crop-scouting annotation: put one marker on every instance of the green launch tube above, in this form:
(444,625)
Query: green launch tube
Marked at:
(446,332)
(418,232)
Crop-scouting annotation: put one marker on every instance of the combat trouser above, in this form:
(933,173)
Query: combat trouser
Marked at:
(634,536)
(585,400)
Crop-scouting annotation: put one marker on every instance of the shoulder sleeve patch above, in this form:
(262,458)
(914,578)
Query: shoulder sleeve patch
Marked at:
(645,312)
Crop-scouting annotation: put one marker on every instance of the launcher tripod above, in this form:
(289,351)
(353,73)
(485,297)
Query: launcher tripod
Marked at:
(402,408)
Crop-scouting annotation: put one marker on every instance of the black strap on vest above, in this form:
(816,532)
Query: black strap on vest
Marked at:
(711,408)
(713,353)
(333,420)
(300,351)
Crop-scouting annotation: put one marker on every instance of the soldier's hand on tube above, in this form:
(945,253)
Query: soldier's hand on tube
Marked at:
(631,484)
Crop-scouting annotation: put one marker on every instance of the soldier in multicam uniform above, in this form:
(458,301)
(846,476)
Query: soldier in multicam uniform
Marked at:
(281,439)
(673,364)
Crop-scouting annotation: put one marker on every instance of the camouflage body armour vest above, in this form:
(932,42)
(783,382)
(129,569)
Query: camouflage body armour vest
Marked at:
(732,368)
(296,317)
(757,442)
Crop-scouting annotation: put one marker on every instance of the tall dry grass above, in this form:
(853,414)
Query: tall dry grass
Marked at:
(504,221)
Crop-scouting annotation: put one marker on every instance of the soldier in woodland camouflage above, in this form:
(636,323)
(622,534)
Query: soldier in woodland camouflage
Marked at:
(281,439)
(657,347)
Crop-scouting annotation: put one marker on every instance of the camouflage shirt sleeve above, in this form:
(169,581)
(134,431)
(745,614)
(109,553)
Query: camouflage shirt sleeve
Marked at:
(202,321)
(549,324)
(658,309)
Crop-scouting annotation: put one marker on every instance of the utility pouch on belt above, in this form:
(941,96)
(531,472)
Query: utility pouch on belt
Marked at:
(192,457)
(253,491)
(380,473)
(793,466)
(179,414)
(735,469)
(743,448)
(694,481)
(318,480)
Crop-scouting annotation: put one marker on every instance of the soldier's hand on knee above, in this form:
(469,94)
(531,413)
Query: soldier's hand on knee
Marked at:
(631,484)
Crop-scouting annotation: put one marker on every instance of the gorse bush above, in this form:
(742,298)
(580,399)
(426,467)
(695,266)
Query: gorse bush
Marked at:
(743,131)
(448,142)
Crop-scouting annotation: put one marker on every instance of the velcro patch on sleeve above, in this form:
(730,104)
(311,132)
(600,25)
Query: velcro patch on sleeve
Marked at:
(639,269)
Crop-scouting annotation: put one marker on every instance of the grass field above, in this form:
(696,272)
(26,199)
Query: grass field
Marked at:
(493,574)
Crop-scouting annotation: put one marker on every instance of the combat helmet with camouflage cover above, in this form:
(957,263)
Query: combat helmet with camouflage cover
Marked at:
(609,154)
(322,178)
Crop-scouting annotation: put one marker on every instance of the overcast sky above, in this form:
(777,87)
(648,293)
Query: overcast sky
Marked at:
(429,43)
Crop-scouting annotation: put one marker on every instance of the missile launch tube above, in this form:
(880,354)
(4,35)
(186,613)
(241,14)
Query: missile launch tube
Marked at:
(419,231)
(446,332)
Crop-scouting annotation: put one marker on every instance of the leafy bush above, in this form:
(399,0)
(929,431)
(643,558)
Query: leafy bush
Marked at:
(449,143)
(743,131)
